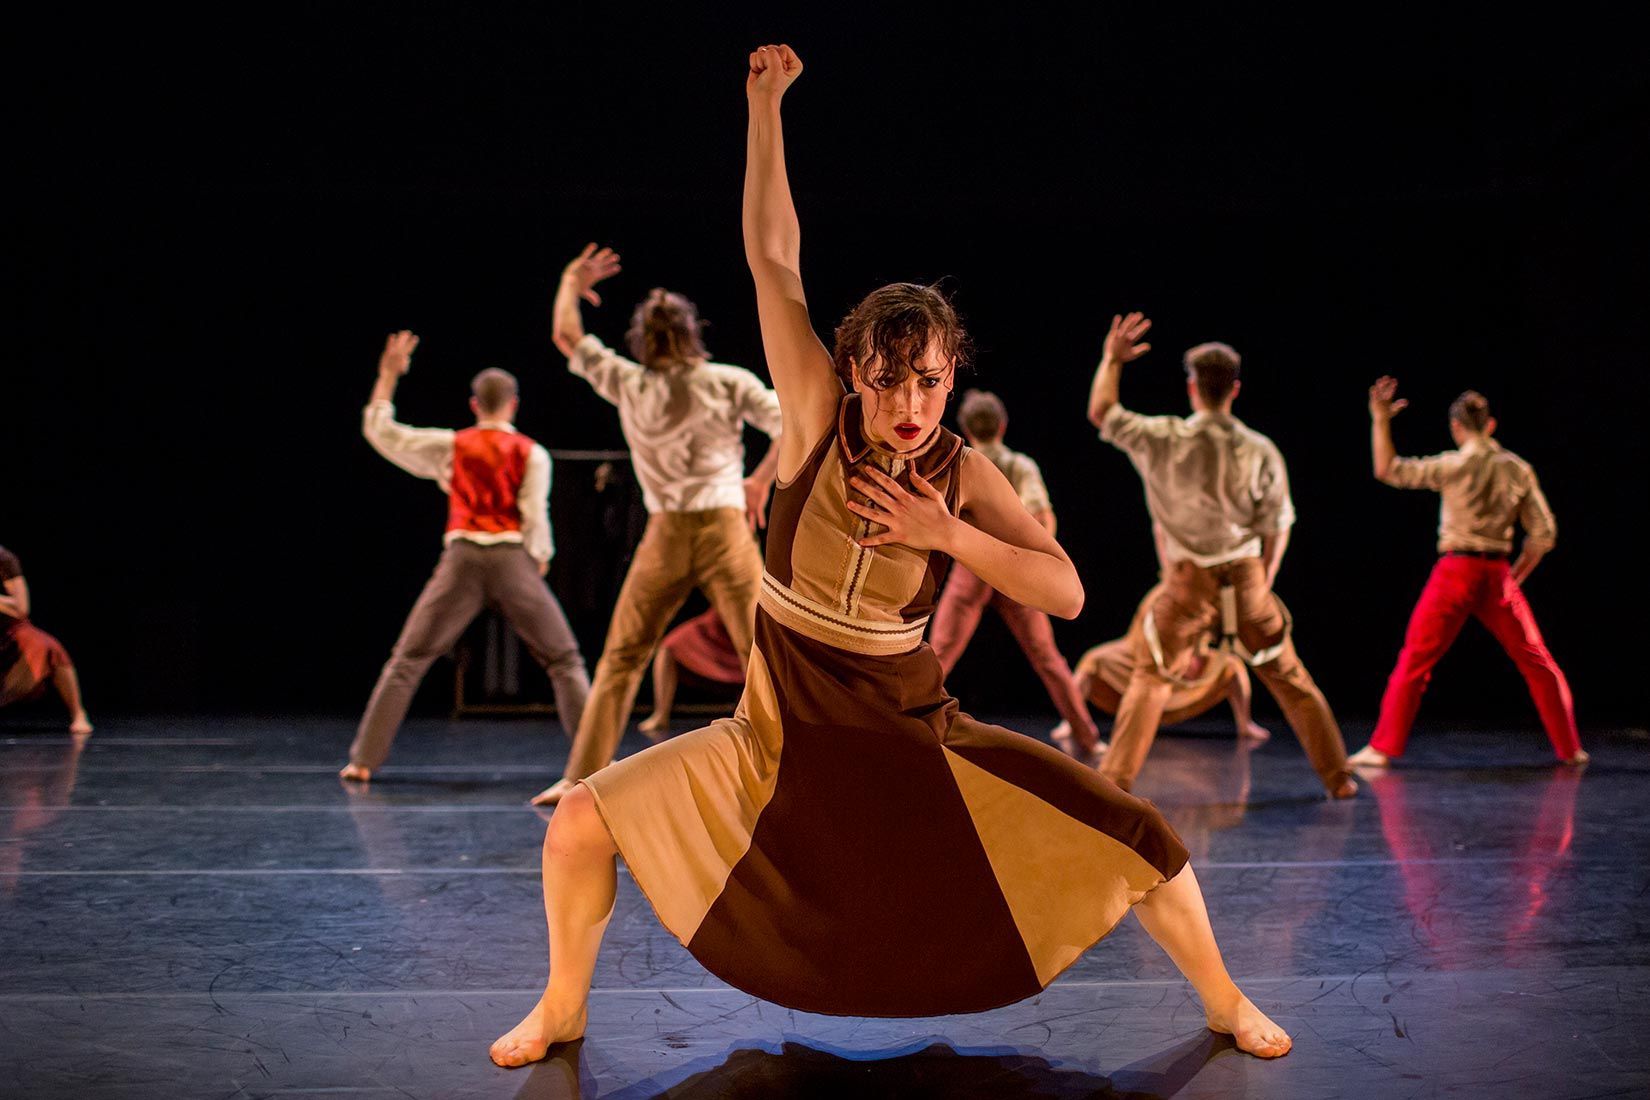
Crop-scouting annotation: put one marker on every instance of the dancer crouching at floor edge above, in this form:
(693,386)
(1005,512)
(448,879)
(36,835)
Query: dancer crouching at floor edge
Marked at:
(849,842)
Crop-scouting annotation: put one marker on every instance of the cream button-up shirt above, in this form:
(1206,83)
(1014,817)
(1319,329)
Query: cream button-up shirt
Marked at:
(1483,488)
(685,428)
(1214,486)
(1022,473)
(428,453)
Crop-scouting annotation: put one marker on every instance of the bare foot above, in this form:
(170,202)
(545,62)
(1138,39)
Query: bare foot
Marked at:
(1346,788)
(1066,743)
(80,724)
(655,726)
(1369,757)
(355,773)
(1254,731)
(1255,1033)
(542,1028)
(1581,757)
(554,793)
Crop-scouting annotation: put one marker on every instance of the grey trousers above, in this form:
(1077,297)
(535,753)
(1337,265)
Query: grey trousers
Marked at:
(468,577)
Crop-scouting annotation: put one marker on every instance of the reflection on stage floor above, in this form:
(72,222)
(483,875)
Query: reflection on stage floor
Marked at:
(200,908)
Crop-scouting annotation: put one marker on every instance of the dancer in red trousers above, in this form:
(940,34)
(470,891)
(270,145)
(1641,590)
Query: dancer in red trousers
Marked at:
(1485,489)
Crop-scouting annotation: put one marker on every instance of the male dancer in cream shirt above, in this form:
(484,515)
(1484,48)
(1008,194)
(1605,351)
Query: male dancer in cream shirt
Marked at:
(1220,493)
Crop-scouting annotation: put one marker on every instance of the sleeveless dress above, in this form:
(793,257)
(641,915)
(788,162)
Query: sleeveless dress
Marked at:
(849,842)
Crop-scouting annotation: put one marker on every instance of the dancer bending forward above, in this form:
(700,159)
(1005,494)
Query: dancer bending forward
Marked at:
(1211,674)
(848,842)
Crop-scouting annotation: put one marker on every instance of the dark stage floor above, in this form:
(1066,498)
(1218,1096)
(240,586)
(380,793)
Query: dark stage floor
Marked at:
(200,909)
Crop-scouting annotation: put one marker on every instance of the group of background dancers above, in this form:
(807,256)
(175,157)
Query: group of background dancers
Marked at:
(849,841)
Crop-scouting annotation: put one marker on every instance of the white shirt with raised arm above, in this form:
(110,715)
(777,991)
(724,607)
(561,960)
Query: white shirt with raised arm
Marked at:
(1215,486)
(684,427)
(1483,488)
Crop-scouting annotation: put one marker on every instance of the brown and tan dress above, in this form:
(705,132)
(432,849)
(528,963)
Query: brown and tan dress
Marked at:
(849,842)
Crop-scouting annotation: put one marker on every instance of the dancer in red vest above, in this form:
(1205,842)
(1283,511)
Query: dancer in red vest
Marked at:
(498,548)
(29,657)
(1485,489)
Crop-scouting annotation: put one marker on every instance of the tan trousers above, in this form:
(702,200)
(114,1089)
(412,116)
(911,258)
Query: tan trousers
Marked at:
(713,551)
(1186,609)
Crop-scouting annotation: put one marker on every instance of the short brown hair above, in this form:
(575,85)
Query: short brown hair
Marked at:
(1214,367)
(665,331)
(1471,410)
(893,327)
(982,414)
(493,389)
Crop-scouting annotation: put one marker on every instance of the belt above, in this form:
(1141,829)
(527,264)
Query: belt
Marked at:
(1487,555)
(809,617)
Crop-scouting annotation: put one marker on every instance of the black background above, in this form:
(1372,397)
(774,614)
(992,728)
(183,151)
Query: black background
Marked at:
(222,214)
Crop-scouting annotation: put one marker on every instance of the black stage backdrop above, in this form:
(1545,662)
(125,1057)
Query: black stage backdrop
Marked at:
(224,213)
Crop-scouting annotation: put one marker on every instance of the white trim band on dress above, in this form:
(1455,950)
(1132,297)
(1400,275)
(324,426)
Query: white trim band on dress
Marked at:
(816,621)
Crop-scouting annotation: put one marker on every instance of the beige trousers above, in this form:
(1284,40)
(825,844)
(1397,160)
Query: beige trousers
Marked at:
(713,551)
(1189,606)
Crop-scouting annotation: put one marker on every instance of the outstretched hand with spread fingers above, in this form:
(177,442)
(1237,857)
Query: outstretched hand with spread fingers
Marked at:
(1123,340)
(398,350)
(1382,405)
(772,70)
(918,519)
(589,268)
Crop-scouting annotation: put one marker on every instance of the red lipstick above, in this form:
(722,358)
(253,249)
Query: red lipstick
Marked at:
(906,432)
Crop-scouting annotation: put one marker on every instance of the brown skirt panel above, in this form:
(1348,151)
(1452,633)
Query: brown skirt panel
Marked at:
(904,860)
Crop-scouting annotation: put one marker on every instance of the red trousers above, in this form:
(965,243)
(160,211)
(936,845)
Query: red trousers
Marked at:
(1483,588)
(965,597)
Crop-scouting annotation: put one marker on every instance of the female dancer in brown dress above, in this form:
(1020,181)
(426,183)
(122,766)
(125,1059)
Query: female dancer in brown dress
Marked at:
(848,842)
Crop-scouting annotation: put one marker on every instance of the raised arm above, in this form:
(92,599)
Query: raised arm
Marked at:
(395,361)
(1122,346)
(422,452)
(578,280)
(801,368)
(1382,408)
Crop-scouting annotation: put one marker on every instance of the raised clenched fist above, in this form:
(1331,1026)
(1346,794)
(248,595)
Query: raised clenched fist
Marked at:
(772,70)
(398,350)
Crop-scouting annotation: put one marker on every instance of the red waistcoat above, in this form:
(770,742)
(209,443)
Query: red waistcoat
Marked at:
(488,466)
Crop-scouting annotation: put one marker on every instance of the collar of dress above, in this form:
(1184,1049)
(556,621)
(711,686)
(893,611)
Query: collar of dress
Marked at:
(930,460)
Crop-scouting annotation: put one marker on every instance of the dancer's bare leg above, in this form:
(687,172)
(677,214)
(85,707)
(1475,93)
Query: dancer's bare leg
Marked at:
(1238,693)
(68,686)
(579,886)
(657,724)
(355,773)
(1174,915)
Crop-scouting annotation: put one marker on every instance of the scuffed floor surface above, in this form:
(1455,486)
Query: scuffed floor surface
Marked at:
(200,909)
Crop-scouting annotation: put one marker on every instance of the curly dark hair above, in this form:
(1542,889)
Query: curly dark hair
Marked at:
(892,328)
(665,331)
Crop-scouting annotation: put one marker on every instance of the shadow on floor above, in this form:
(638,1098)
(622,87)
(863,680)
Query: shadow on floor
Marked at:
(912,1072)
